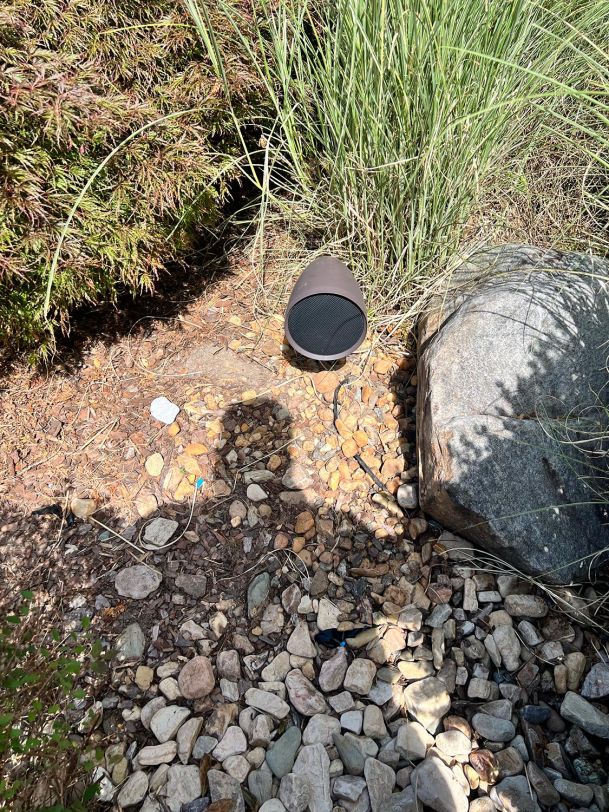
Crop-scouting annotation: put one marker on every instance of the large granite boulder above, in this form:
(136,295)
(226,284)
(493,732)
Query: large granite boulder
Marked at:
(512,363)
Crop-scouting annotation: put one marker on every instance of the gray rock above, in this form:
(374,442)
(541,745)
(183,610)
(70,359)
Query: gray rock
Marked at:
(303,695)
(428,701)
(296,478)
(183,786)
(348,787)
(350,755)
(380,780)
(260,783)
(194,585)
(133,790)
(508,646)
(281,756)
(596,684)
(407,496)
(166,722)
(257,592)
(157,754)
(295,792)
(187,736)
(272,805)
(150,708)
(332,673)
(320,729)
(493,728)
(225,787)
(453,743)
(436,787)
(577,794)
(196,678)
(255,493)
(130,643)
(267,702)
(300,643)
(137,582)
(233,743)
(158,532)
(525,606)
(513,794)
(374,724)
(341,702)
(360,676)
(483,804)
(237,766)
(328,613)
(352,720)
(272,620)
(521,342)
(546,794)
(151,805)
(261,729)
(313,763)
(413,741)
(203,745)
(580,712)
(278,668)
(404,801)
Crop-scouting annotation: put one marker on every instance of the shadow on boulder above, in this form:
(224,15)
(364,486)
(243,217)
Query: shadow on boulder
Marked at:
(513,409)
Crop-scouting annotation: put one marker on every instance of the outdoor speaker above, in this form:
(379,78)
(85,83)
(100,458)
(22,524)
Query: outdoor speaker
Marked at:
(326,315)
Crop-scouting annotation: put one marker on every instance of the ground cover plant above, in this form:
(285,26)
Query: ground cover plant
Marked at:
(40,682)
(78,79)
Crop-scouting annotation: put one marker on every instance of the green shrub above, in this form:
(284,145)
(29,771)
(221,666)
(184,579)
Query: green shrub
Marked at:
(77,77)
(40,678)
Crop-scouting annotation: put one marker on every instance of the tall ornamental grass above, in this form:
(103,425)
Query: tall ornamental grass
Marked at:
(392,119)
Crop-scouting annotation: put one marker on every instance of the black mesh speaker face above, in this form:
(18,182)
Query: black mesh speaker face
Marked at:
(326,324)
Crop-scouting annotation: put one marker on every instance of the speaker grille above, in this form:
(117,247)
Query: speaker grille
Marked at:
(326,324)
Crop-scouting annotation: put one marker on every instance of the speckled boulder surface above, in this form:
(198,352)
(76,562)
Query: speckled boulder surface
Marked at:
(504,364)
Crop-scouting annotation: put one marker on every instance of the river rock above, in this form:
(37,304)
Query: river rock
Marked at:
(257,592)
(321,729)
(428,701)
(596,684)
(187,736)
(436,787)
(413,741)
(493,728)
(166,722)
(183,785)
(498,350)
(360,676)
(313,763)
(580,712)
(300,643)
(133,790)
(303,695)
(157,754)
(281,756)
(350,755)
(267,702)
(137,582)
(514,793)
(233,743)
(295,792)
(225,787)
(196,679)
(380,780)
(332,673)
(158,532)
(130,643)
